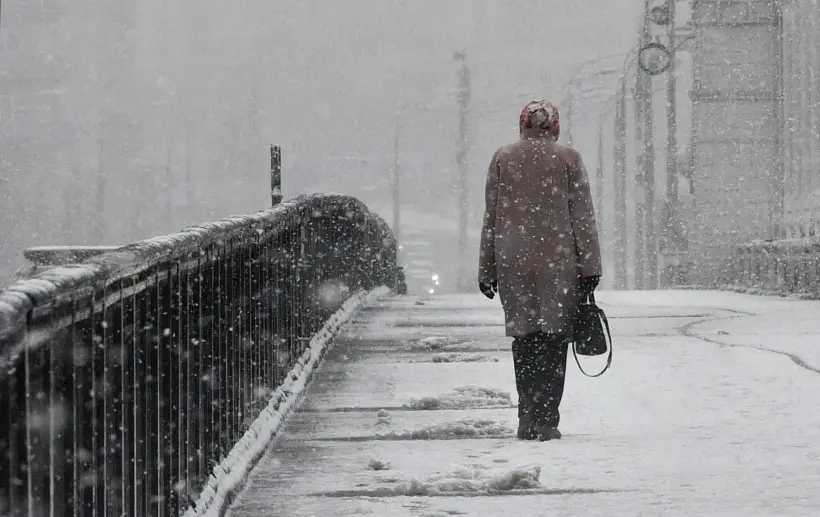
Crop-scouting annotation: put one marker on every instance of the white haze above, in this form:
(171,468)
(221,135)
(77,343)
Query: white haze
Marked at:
(125,119)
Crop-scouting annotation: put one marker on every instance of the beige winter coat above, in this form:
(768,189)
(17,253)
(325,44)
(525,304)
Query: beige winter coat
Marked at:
(539,236)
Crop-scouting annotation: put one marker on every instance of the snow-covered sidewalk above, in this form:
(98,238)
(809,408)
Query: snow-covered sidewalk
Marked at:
(712,407)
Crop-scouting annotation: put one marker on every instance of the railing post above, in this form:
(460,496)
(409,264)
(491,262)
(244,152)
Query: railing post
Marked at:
(275,175)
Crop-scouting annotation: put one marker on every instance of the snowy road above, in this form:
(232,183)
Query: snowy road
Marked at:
(712,408)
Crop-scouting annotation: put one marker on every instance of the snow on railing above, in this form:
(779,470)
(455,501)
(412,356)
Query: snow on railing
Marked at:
(125,379)
(785,267)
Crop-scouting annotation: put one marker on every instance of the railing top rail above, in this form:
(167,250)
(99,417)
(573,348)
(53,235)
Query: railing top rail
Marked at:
(807,245)
(60,282)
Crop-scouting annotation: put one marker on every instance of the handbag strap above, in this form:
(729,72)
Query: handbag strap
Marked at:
(609,338)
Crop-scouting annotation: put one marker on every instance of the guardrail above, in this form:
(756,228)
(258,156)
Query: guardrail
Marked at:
(125,379)
(785,267)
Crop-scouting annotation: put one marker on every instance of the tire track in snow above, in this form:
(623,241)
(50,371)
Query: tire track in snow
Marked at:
(688,331)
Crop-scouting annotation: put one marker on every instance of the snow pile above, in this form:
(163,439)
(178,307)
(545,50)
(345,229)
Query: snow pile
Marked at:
(467,428)
(435,343)
(383,417)
(378,465)
(230,475)
(464,481)
(464,397)
(463,357)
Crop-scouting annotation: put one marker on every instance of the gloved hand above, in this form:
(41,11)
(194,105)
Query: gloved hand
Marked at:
(588,285)
(488,289)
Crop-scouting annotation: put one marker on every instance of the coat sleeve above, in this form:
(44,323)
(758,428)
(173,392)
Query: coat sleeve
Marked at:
(582,217)
(487,270)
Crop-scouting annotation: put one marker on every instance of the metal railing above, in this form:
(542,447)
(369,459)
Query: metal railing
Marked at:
(125,379)
(785,266)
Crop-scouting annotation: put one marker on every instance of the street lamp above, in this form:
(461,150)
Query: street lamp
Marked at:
(657,58)
(575,80)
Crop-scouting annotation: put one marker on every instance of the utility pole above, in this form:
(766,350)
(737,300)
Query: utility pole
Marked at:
(620,191)
(464,95)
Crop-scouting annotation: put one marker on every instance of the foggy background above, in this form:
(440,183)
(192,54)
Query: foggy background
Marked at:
(122,120)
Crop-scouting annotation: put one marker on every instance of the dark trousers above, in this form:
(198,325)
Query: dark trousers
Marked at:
(540,370)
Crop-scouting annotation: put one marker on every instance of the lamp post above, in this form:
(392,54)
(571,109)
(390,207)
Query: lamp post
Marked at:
(671,226)
(657,58)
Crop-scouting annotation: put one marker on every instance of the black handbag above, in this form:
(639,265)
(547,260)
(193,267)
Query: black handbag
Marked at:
(591,334)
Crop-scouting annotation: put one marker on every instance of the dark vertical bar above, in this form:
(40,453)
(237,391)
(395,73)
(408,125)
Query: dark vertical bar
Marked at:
(300,287)
(151,392)
(97,403)
(241,338)
(254,388)
(113,354)
(59,353)
(37,423)
(79,424)
(189,366)
(264,314)
(224,352)
(168,379)
(179,387)
(208,381)
(230,407)
(275,175)
(140,384)
(126,336)
(160,324)
(18,461)
(269,315)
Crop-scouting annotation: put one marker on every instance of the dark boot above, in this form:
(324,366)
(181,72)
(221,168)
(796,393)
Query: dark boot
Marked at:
(521,359)
(545,433)
(525,428)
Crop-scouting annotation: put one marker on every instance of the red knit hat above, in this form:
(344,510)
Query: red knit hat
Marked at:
(540,115)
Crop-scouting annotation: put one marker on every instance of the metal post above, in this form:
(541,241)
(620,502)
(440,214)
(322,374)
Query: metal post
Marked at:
(639,248)
(275,175)
(464,94)
(644,96)
(620,191)
(671,235)
(568,117)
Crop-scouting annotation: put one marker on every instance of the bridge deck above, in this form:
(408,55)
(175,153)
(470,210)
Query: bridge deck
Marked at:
(702,414)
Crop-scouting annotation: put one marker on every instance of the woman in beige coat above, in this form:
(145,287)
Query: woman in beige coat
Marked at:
(540,252)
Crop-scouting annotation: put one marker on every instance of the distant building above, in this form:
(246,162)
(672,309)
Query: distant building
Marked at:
(756,126)
(801,116)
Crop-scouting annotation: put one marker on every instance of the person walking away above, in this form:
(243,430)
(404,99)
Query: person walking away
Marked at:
(540,252)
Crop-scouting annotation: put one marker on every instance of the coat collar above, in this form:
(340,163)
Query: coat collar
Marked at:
(535,133)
